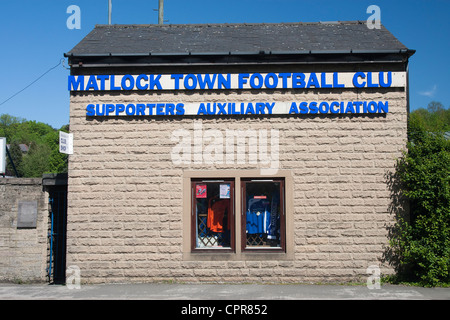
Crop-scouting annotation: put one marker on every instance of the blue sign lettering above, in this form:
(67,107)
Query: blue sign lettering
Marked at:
(283,80)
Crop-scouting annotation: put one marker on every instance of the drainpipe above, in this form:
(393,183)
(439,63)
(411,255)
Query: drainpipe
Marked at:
(408,106)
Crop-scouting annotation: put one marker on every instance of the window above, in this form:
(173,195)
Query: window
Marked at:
(263,214)
(259,224)
(212,214)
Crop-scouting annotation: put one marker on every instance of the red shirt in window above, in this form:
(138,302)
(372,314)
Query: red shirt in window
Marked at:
(216,212)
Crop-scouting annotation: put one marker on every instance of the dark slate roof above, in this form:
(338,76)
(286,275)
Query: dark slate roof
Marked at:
(235,38)
(277,40)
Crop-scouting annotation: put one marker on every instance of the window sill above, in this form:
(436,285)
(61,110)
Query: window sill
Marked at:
(253,255)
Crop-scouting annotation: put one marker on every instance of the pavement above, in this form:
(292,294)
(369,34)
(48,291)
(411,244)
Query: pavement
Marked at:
(222,292)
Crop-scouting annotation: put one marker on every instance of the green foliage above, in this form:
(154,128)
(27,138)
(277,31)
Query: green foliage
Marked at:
(43,141)
(422,240)
(35,163)
(433,119)
(16,155)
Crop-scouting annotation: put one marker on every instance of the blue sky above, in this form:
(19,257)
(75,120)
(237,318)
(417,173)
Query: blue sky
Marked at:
(34,37)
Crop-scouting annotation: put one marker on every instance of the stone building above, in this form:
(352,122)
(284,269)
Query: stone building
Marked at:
(234,152)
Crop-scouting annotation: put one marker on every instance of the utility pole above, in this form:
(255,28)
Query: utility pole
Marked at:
(109,11)
(160,12)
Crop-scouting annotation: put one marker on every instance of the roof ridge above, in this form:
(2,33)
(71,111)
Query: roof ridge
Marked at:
(353,22)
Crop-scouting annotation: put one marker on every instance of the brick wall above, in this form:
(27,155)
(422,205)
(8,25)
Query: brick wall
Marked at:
(125,219)
(23,252)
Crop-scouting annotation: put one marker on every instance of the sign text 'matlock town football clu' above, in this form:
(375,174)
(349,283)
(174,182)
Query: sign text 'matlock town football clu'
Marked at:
(240,81)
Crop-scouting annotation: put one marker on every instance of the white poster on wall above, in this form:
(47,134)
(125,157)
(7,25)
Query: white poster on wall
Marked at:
(65,142)
(2,155)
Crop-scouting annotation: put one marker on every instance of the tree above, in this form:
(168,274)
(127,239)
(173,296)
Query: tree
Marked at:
(421,242)
(57,161)
(434,119)
(435,107)
(43,142)
(16,156)
(35,163)
(8,126)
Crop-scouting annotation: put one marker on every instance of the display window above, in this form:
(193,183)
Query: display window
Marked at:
(260,224)
(213,214)
(263,214)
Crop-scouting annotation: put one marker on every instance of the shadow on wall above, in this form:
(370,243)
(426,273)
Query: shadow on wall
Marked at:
(400,209)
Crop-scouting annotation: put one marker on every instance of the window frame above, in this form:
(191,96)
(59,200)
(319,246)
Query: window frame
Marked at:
(193,223)
(244,248)
(238,255)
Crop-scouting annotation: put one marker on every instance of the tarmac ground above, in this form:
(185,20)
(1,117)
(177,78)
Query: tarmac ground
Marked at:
(227,292)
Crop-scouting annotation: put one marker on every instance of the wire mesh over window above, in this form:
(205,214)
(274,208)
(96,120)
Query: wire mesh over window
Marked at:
(207,238)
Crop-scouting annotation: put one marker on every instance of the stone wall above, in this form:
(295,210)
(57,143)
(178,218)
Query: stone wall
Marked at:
(125,214)
(23,251)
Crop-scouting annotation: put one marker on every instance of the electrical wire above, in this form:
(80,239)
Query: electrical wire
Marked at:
(60,62)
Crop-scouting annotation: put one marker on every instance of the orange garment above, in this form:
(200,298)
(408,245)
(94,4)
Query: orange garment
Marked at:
(216,213)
